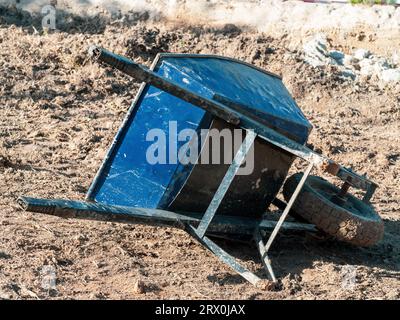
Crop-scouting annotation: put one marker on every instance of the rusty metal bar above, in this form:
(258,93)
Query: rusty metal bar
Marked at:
(368,195)
(288,206)
(346,174)
(263,254)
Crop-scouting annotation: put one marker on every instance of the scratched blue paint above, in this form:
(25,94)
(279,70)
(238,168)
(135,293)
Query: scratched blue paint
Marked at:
(131,180)
(128,179)
(240,83)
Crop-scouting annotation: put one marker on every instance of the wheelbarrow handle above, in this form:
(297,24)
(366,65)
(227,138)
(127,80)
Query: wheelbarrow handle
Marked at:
(144,74)
(222,224)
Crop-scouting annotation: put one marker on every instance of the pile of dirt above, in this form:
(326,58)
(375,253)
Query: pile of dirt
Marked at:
(262,15)
(59,113)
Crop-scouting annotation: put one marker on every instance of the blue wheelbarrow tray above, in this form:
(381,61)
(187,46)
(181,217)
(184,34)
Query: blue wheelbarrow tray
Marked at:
(126,178)
(200,92)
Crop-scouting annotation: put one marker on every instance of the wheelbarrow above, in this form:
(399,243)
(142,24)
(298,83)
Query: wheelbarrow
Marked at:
(163,168)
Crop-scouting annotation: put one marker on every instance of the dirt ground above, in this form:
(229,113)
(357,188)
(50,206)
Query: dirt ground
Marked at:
(59,113)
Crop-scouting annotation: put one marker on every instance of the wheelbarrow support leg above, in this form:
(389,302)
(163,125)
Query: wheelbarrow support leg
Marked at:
(226,182)
(263,249)
(199,233)
(264,257)
(225,257)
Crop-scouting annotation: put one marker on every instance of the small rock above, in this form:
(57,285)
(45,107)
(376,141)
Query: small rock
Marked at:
(366,67)
(381,160)
(338,56)
(390,75)
(348,74)
(139,287)
(349,60)
(315,51)
(25,292)
(267,285)
(361,54)
(5,295)
(395,58)
(381,63)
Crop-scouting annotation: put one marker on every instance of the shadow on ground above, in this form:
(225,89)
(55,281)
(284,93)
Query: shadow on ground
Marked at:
(384,255)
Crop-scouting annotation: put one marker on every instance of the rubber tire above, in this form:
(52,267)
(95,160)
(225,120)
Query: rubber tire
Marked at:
(364,229)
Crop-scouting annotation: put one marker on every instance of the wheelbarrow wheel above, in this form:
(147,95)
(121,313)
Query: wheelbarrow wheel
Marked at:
(352,221)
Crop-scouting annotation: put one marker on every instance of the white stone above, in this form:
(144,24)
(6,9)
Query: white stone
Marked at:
(390,75)
(395,58)
(348,60)
(361,54)
(316,52)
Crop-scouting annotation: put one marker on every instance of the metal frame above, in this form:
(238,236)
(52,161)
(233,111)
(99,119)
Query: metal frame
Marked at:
(264,249)
(221,224)
(258,129)
(205,224)
(200,232)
